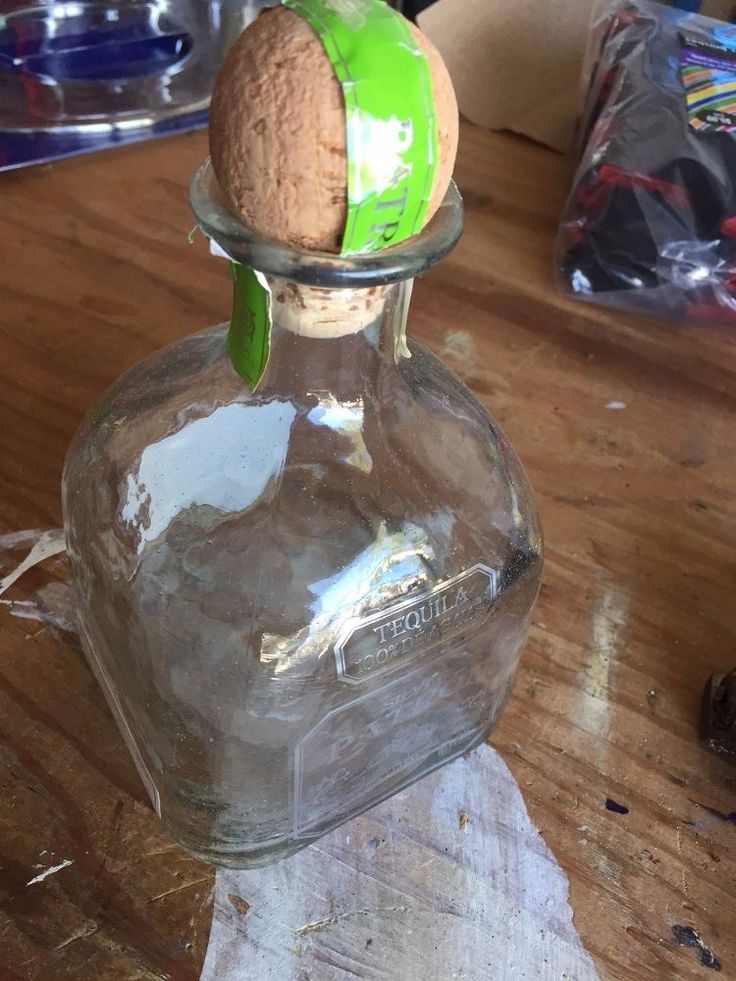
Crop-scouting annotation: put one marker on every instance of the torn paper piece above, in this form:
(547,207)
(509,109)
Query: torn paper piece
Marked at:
(55,604)
(48,544)
(448,879)
(51,871)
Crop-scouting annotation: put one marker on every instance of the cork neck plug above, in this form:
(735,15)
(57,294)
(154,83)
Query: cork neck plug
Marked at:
(313,293)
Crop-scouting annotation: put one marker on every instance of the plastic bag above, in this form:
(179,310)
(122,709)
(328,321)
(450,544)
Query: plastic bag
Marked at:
(650,224)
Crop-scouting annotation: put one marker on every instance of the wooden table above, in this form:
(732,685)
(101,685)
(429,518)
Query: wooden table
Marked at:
(638,506)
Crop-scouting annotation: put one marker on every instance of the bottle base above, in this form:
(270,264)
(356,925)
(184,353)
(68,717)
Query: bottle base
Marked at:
(269,854)
(258,858)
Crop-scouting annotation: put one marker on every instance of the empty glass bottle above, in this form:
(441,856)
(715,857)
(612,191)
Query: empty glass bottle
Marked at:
(299,600)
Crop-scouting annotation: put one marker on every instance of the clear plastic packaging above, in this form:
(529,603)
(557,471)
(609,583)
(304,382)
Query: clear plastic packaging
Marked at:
(650,224)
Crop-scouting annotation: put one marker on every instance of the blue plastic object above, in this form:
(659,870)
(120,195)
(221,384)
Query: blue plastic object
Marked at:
(81,76)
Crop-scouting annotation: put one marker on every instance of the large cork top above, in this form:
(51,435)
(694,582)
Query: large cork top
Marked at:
(278,133)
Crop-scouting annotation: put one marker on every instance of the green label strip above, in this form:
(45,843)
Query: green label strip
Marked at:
(249,337)
(389,114)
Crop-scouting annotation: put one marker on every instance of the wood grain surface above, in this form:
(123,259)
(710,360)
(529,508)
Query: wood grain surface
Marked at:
(637,608)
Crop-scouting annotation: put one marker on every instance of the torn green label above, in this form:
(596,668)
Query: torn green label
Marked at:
(249,337)
(389,115)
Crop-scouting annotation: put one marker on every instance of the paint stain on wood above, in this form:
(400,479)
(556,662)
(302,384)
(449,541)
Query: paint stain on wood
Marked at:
(687,937)
(729,816)
(612,805)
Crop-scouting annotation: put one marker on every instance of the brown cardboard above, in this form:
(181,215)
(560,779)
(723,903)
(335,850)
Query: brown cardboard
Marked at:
(720,9)
(516,64)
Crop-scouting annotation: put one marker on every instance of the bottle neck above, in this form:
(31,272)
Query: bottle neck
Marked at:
(338,340)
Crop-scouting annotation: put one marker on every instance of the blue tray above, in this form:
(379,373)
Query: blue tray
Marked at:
(81,76)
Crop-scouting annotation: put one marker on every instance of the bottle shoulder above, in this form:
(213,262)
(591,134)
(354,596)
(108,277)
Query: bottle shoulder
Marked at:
(180,443)
(190,386)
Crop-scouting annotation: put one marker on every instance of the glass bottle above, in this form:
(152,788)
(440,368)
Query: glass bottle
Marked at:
(299,600)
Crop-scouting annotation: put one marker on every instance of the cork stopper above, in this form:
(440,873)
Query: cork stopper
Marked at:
(313,311)
(278,132)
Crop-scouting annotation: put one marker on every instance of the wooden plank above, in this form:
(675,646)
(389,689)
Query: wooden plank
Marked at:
(638,506)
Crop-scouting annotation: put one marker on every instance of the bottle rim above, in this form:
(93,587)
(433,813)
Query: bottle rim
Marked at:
(390,265)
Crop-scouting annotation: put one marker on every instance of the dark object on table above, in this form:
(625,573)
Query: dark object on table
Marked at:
(718,719)
(651,222)
(410,8)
